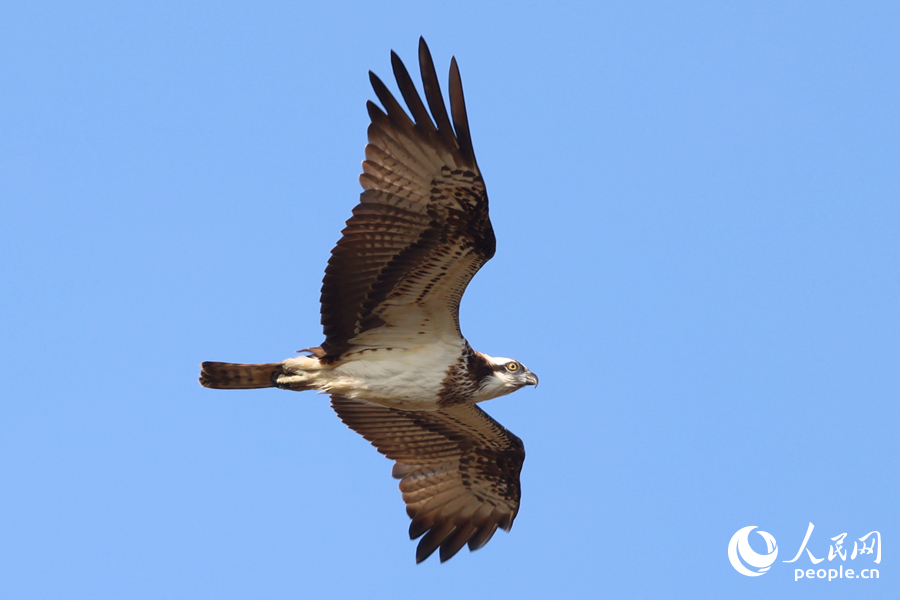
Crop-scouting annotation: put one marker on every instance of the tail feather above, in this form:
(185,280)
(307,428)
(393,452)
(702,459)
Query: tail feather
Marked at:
(234,376)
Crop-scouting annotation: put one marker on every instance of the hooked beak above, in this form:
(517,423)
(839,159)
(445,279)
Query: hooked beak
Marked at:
(531,379)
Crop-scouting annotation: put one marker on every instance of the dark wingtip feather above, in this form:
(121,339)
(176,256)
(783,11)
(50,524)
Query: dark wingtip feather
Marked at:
(458,110)
(417,528)
(433,94)
(376,115)
(409,93)
(482,536)
(424,550)
(456,541)
(390,104)
(433,539)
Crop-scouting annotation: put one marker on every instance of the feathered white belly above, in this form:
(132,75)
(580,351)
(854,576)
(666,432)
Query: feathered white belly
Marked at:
(404,378)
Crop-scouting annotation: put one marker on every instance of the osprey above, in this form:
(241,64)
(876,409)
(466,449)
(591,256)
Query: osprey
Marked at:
(394,361)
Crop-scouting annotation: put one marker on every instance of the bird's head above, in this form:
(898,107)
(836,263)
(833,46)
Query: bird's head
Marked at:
(502,376)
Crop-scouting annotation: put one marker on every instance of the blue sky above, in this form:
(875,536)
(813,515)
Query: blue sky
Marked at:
(697,216)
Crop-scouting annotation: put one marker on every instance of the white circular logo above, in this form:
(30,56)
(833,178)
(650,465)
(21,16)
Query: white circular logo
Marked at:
(740,546)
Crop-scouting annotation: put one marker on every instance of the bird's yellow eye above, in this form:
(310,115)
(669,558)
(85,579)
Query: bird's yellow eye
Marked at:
(513,366)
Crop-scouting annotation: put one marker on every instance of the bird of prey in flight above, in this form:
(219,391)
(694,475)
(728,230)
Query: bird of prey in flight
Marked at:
(394,360)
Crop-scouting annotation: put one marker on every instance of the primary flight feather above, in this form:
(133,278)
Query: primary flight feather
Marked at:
(394,360)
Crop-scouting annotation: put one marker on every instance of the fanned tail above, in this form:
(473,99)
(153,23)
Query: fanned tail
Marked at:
(235,376)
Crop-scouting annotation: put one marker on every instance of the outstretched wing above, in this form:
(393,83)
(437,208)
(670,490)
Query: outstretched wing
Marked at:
(421,229)
(459,470)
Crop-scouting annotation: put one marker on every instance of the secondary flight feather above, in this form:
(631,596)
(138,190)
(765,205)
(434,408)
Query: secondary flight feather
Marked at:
(397,367)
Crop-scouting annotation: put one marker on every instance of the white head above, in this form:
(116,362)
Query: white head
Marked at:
(500,375)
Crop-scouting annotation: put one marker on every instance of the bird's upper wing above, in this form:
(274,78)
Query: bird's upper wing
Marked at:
(459,470)
(421,229)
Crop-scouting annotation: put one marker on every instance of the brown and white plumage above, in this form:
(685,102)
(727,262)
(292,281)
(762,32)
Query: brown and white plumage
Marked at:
(421,229)
(394,360)
(458,470)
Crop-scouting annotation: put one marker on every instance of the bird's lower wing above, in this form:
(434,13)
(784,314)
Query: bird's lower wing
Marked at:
(459,470)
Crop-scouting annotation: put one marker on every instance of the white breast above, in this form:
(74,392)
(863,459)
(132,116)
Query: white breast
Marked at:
(405,378)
